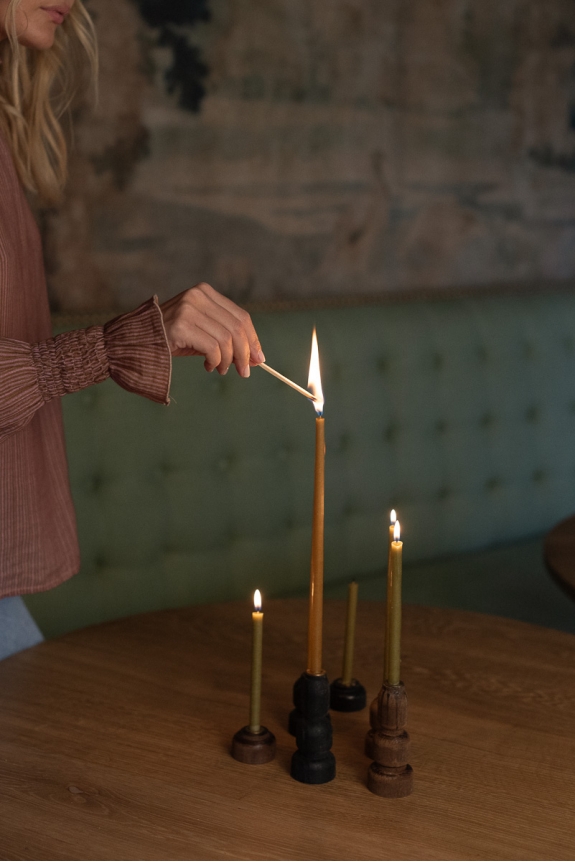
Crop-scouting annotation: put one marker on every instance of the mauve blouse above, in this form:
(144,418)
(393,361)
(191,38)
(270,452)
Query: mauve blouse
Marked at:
(38,540)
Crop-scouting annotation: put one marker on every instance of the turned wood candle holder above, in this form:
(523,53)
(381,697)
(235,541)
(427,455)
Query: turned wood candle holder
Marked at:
(387,743)
(347,698)
(310,723)
(254,747)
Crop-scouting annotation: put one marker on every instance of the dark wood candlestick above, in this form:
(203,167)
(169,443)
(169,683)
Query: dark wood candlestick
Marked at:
(255,747)
(310,723)
(347,698)
(387,743)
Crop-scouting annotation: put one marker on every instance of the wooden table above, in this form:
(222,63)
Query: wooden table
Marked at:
(114,742)
(560,554)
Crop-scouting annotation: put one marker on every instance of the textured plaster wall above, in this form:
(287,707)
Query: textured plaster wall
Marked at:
(343,146)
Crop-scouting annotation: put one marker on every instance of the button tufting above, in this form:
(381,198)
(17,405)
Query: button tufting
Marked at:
(538,475)
(532,413)
(391,433)
(441,427)
(443,493)
(96,481)
(382,364)
(438,361)
(529,350)
(225,464)
(493,484)
(482,354)
(487,420)
(344,442)
(336,373)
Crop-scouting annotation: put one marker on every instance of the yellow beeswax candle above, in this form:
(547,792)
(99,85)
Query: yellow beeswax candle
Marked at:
(347,670)
(315,628)
(315,623)
(394,608)
(256,680)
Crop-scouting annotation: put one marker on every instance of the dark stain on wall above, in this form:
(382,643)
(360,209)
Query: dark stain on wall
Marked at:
(172,19)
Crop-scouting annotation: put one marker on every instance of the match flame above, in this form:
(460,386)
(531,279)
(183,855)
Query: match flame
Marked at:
(396,532)
(314,379)
(257,601)
(393,516)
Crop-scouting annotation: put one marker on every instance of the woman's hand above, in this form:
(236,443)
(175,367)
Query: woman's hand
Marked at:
(202,322)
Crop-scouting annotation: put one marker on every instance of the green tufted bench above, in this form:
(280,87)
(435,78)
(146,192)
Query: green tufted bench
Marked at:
(459,413)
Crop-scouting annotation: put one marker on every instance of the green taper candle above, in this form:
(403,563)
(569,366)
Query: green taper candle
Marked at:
(394,608)
(256,681)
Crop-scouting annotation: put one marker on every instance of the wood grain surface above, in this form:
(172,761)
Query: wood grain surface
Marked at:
(114,741)
(559,552)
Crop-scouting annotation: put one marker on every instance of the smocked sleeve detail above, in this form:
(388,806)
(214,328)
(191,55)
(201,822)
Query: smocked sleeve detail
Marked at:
(132,349)
(70,362)
(138,353)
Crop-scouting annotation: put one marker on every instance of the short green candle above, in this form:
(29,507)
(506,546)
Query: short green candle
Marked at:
(347,671)
(256,680)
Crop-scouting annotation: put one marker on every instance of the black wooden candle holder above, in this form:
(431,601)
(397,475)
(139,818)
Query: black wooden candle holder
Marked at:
(387,743)
(347,698)
(255,747)
(310,723)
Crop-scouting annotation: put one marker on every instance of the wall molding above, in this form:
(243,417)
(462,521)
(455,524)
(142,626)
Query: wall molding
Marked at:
(434,294)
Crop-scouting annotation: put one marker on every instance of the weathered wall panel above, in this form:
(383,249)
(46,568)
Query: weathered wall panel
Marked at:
(344,146)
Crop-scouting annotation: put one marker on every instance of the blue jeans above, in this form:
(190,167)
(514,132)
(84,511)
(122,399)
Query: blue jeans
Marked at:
(18,630)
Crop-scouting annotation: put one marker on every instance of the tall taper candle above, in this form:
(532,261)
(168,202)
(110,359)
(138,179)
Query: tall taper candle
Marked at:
(347,670)
(394,605)
(392,519)
(315,625)
(256,681)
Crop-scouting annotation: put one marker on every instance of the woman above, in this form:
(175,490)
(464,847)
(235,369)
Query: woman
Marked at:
(42,47)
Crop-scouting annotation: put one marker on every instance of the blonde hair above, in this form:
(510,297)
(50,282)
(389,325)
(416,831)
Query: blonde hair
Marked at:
(36,90)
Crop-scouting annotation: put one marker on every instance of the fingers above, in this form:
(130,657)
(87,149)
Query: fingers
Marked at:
(256,353)
(228,330)
(199,342)
(202,321)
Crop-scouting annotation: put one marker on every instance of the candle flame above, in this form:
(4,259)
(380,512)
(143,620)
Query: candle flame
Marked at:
(396,532)
(314,379)
(257,601)
(393,516)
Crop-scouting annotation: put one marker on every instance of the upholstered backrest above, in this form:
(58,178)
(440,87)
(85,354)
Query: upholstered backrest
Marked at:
(460,414)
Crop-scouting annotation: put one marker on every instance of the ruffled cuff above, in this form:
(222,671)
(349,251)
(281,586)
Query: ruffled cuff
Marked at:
(138,352)
(20,395)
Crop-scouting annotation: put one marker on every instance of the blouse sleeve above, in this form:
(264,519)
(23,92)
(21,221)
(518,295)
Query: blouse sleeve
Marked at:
(131,349)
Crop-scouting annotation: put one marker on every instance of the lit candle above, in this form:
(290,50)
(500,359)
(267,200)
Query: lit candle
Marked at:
(394,608)
(256,682)
(315,624)
(346,674)
(392,519)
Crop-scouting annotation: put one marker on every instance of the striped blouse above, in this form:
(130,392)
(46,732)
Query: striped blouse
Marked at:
(38,540)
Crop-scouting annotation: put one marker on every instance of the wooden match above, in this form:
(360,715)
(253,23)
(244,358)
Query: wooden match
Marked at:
(289,382)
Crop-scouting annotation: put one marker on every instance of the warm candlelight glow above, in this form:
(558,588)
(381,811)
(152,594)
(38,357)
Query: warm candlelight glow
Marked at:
(396,532)
(393,516)
(314,379)
(257,601)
